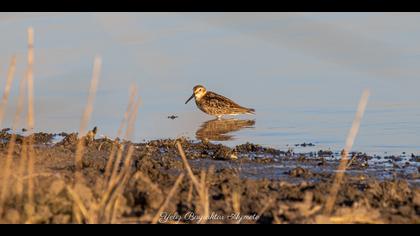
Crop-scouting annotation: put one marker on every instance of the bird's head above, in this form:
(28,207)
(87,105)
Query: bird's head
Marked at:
(198,92)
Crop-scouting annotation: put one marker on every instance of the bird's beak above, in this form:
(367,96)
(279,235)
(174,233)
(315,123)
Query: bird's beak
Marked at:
(189,99)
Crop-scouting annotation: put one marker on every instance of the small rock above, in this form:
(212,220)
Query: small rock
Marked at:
(322,153)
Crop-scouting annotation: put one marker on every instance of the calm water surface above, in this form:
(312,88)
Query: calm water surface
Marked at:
(303,73)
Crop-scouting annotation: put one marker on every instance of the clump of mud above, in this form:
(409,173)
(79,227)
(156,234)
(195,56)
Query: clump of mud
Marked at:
(245,184)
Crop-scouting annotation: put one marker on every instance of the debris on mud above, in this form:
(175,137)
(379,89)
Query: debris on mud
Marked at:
(325,153)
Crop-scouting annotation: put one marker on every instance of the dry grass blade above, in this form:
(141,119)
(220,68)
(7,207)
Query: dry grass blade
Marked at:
(200,186)
(115,189)
(188,167)
(79,203)
(83,124)
(108,168)
(129,131)
(204,199)
(114,211)
(269,203)
(190,193)
(87,112)
(130,107)
(236,202)
(168,199)
(153,186)
(31,119)
(6,92)
(11,146)
(31,115)
(21,169)
(132,120)
(344,158)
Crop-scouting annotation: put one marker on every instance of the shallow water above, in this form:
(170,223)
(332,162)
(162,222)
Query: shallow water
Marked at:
(302,72)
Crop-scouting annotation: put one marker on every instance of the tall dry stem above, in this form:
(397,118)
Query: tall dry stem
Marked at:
(129,131)
(31,115)
(344,158)
(168,198)
(7,87)
(200,186)
(21,170)
(11,147)
(109,164)
(87,113)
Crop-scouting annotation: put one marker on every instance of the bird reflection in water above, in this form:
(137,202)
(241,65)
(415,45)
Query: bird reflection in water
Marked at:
(219,129)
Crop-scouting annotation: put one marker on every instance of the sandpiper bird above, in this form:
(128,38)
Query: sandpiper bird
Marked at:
(215,104)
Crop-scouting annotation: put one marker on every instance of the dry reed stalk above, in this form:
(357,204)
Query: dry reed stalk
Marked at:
(87,113)
(344,158)
(30,165)
(204,198)
(6,92)
(21,170)
(83,124)
(190,193)
(200,186)
(148,181)
(187,166)
(118,180)
(114,164)
(168,198)
(41,174)
(31,116)
(115,189)
(31,119)
(11,146)
(132,120)
(236,202)
(269,203)
(104,210)
(115,179)
(129,131)
(80,205)
(109,164)
(114,211)
(133,94)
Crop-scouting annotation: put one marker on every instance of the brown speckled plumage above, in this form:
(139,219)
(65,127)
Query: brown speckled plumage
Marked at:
(217,105)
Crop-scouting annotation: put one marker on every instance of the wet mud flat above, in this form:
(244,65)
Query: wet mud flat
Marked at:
(243,184)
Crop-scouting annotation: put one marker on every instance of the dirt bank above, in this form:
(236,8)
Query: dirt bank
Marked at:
(245,184)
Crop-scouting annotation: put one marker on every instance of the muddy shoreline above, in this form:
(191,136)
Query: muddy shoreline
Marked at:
(246,184)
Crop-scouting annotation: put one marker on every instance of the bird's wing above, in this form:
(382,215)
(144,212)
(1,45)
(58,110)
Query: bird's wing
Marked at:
(219,101)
